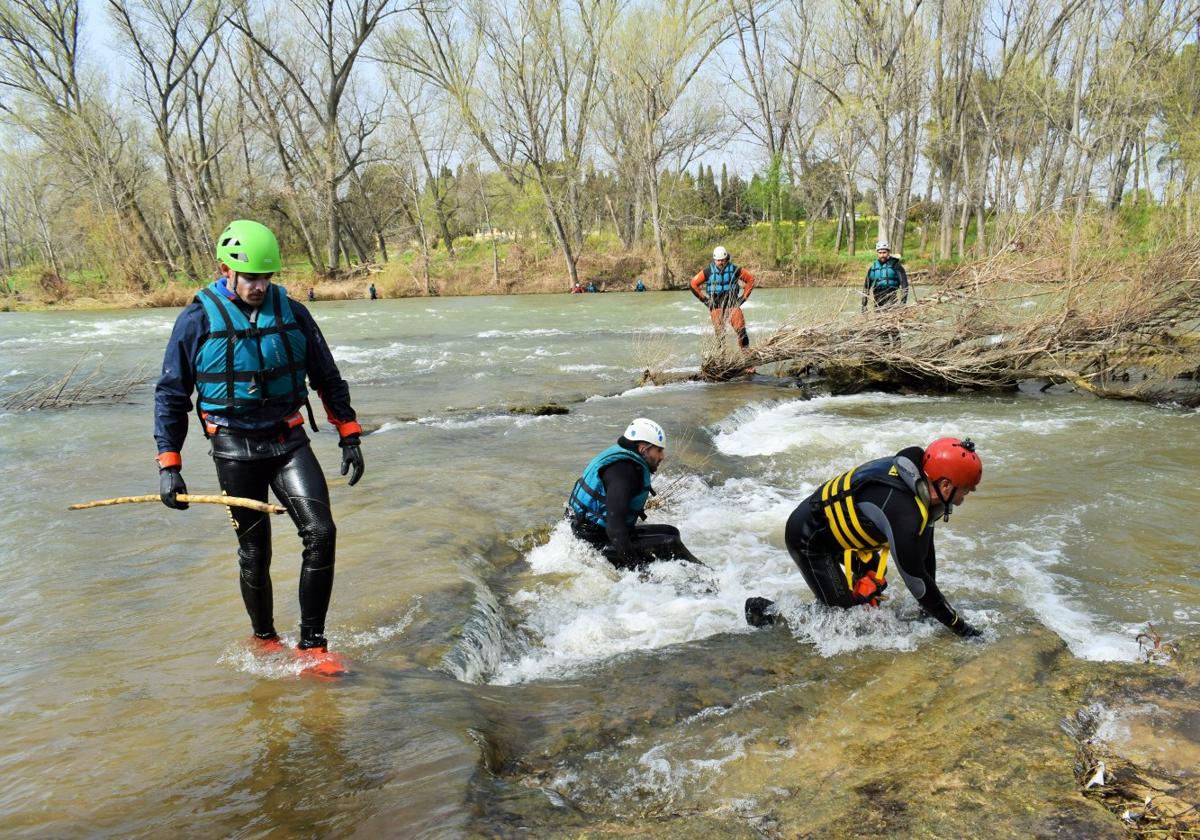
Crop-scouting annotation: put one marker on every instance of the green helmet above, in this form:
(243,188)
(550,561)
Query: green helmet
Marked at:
(248,247)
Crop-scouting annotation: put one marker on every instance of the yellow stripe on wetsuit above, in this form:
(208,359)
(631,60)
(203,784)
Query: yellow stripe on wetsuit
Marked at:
(924,513)
(842,517)
(864,557)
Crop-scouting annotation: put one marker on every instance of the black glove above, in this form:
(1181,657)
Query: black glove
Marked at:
(351,457)
(170,482)
(965,629)
(707,302)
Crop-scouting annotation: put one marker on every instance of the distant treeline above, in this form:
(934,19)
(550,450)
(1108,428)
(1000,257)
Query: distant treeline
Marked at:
(360,128)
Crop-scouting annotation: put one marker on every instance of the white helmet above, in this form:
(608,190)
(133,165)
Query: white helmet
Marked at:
(882,245)
(719,253)
(643,430)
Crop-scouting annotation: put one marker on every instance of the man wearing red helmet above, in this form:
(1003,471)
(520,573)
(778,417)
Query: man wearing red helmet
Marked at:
(844,535)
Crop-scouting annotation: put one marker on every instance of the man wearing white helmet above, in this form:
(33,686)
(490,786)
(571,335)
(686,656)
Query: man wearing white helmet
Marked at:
(886,278)
(717,287)
(611,495)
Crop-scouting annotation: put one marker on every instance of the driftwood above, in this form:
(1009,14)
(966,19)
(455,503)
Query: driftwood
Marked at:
(69,391)
(228,501)
(1123,330)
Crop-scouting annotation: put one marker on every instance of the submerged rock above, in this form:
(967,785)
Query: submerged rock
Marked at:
(542,410)
(756,735)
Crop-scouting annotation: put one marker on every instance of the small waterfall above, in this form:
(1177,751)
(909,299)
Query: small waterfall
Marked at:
(485,638)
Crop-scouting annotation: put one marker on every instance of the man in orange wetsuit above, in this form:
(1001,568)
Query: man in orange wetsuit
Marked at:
(723,287)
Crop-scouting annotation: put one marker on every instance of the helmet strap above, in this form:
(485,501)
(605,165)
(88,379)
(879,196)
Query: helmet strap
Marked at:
(947,508)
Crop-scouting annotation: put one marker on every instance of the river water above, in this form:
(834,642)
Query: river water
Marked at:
(506,681)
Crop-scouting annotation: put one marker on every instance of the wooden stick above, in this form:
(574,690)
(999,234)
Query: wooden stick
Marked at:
(229,501)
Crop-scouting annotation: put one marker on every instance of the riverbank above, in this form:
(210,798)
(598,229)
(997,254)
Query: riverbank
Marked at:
(396,282)
(478,266)
(1047,249)
(512,267)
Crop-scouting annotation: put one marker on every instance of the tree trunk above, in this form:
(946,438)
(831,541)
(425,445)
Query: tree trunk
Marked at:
(964,219)
(7,246)
(332,228)
(665,280)
(178,225)
(491,233)
(852,241)
(945,221)
(360,247)
(560,231)
(928,203)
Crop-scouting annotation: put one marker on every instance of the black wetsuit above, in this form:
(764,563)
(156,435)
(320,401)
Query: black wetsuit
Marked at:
(629,547)
(813,547)
(248,466)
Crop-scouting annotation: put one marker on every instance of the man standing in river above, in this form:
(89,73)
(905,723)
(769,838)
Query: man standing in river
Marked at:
(246,349)
(886,279)
(611,495)
(717,287)
(843,535)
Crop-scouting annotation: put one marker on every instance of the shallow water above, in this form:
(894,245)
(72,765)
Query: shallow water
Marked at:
(507,681)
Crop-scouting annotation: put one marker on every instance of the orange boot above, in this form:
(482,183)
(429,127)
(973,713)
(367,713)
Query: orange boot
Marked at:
(318,659)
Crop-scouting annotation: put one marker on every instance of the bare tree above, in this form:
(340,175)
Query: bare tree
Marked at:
(167,38)
(430,133)
(772,68)
(648,80)
(40,69)
(525,78)
(329,37)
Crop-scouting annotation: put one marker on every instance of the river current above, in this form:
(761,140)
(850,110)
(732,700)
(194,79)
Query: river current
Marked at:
(506,680)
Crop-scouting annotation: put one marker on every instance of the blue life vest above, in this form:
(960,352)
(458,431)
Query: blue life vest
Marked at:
(719,282)
(244,366)
(883,275)
(588,498)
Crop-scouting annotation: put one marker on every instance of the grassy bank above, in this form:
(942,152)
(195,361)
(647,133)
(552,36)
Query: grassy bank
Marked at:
(534,266)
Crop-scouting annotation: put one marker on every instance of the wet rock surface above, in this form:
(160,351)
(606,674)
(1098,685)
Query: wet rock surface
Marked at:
(756,735)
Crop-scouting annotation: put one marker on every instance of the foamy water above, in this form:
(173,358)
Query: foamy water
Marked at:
(578,611)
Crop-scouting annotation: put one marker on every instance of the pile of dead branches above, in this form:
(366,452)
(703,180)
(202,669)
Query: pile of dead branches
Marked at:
(1123,328)
(74,389)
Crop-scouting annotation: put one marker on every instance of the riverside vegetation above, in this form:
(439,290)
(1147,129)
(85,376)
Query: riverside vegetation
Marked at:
(407,134)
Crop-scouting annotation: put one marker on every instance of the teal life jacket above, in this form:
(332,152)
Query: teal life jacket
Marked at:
(720,282)
(883,275)
(588,498)
(244,366)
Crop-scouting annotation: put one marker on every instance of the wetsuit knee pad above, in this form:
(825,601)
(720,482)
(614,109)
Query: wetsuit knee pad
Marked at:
(255,564)
(318,534)
(825,578)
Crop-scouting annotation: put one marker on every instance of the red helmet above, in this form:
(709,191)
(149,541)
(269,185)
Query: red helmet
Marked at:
(953,459)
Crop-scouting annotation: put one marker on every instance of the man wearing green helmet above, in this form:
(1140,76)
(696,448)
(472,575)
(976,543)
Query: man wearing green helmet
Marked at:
(246,349)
